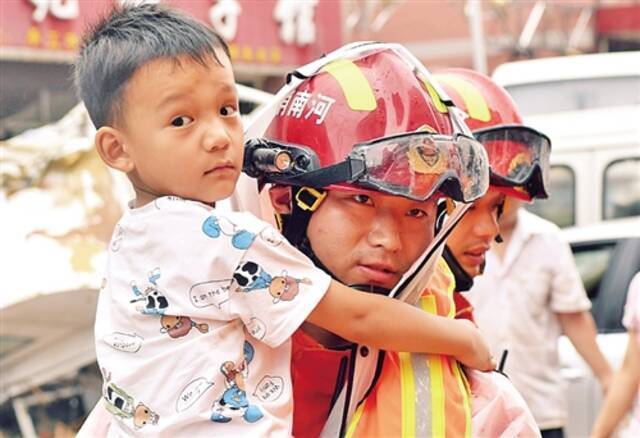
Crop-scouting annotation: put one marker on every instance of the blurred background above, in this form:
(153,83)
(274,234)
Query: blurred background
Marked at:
(572,66)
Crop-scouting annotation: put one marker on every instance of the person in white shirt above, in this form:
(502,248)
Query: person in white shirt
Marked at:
(529,295)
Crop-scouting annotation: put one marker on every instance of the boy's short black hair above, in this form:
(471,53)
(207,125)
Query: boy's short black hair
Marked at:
(129,38)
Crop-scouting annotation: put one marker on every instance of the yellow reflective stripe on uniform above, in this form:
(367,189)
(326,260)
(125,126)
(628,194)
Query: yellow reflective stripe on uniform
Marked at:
(450,287)
(464,390)
(408,396)
(437,381)
(355,420)
(477,107)
(440,106)
(354,84)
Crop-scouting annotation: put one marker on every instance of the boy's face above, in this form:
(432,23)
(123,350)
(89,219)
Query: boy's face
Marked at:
(471,238)
(370,238)
(182,129)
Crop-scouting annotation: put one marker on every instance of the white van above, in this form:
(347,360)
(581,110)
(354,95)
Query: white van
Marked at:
(589,105)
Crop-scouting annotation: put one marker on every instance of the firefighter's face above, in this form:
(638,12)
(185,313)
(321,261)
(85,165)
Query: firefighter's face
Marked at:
(471,238)
(366,237)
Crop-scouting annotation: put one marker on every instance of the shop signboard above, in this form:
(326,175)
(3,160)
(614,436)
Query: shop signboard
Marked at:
(268,32)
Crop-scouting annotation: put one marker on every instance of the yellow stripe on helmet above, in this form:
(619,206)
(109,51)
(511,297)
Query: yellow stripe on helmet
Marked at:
(477,107)
(437,102)
(354,84)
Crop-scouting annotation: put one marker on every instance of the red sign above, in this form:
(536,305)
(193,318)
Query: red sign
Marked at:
(271,32)
(618,19)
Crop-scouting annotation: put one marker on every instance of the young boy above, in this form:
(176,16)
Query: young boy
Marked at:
(197,308)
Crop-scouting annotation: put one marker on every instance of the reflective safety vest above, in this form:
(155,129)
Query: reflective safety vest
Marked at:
(419,394)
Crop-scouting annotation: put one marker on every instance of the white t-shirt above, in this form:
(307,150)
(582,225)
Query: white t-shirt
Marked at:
(194,322)
(515,302)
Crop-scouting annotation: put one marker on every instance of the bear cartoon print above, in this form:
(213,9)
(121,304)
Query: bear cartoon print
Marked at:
(250,277)
(179,326)
(123,406)
(234,403)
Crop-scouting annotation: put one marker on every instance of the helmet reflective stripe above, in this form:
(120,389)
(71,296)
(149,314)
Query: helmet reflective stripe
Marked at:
(437,102)
(476,105)
(354,84)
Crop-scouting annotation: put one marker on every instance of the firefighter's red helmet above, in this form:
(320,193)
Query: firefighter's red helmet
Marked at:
(518,155)
(377,95)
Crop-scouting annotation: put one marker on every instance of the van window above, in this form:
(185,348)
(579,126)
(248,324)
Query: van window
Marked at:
(560,207)
(575,94)
(592,261)
(621,189)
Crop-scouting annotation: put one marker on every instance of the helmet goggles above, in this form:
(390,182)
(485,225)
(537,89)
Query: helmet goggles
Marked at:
(412,165)
(518,156)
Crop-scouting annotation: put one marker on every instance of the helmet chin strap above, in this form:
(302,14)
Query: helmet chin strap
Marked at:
(294,228)
(464,281)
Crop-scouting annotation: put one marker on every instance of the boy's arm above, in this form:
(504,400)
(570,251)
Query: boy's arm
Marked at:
(96,424)
(388,324)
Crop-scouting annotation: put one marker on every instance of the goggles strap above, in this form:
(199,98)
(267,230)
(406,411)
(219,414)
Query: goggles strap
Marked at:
(346,171)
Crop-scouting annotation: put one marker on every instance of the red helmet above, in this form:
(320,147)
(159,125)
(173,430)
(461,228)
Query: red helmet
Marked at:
(372,121)
(372,97)
(518,155)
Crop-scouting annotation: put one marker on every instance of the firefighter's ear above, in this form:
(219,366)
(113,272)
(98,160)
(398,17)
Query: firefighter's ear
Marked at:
(281,199)
(110,145)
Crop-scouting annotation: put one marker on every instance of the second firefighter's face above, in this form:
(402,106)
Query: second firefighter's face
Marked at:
(471,238)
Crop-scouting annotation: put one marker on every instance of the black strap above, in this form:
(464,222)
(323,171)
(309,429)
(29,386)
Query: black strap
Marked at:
(346,171)
(464,281)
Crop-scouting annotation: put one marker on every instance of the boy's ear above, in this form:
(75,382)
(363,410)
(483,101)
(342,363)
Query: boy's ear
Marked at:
(281,199)
(110,146)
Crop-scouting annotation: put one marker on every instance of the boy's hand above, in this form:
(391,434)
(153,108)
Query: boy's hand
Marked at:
(478,355)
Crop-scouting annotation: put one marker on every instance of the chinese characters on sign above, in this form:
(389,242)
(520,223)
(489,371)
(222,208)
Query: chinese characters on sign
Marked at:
(61,9)
(297,25)
(275,32)
(224,18)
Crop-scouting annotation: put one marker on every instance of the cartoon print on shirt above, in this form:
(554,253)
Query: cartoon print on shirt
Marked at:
(250,276)
(154,302)
(122,405)
(116,240)
(213,226)
(125,342)
(271,236)
(234,402)
(179,326)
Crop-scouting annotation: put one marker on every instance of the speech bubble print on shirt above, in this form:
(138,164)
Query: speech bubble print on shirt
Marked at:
(116,240)
(257,328)
(269,388)
(191,393)
(271,236)
(210,293)
(127,342)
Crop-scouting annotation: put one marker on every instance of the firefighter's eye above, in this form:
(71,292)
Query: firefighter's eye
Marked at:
(362,199)
(417,213)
